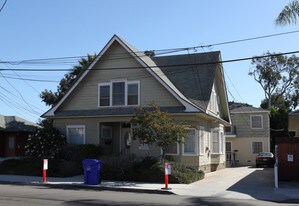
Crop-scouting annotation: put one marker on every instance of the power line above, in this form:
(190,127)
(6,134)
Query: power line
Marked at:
(29,79)
(72,59)
(250,39)
(3,5)
(161,66)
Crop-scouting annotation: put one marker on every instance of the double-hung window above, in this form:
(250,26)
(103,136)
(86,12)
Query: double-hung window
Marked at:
(257,147)
(217,141)
(104,92)
(133,93)
(119,93)
(191,142)
(76,134)
(194,142)
(256,121)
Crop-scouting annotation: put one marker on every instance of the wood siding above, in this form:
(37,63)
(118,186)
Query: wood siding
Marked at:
(85,96)
(92,136)
(242,123)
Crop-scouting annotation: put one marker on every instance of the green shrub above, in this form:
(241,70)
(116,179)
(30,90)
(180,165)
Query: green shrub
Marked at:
(147,170)
(33,167)
(45,143)
(80,152)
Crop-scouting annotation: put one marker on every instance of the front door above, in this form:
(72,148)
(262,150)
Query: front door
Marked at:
(126,141)
(10,146)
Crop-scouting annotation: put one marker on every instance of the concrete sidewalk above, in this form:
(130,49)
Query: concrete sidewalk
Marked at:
(233,183)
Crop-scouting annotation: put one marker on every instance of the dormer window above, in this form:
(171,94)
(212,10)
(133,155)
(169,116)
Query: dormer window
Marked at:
(119,93)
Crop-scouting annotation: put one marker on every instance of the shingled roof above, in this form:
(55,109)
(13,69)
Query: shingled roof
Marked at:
(195,82)
(16,124)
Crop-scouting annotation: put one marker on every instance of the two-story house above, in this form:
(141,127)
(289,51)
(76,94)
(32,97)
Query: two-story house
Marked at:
(248,135)
(99,105)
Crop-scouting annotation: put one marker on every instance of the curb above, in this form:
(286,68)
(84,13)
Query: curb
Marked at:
(89,187)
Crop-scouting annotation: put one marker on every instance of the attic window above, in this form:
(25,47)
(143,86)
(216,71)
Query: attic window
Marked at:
(119,93)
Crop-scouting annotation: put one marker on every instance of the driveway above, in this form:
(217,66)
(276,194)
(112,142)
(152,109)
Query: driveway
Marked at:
(237,183)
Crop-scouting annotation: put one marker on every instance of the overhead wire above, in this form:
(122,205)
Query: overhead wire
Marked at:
(3,6)
(54,60)
(173,65)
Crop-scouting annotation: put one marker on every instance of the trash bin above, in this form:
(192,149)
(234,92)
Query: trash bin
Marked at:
(92,169)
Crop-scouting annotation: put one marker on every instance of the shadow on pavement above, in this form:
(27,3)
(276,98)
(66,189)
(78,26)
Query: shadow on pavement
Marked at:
(259,184)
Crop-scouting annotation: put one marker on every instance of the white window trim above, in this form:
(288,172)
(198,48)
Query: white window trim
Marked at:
(110,84)
(126,95)
(201,133)
(99,86)
(177,150)
(196,152)
(74,126)
(252,147)
(262,121)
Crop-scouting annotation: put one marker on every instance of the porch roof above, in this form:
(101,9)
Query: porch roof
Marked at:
(113,111)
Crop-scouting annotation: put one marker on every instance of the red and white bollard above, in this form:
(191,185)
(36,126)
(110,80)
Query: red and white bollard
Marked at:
(45,168)
(167,172)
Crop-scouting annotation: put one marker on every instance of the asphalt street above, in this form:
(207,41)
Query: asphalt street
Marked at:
(25,195)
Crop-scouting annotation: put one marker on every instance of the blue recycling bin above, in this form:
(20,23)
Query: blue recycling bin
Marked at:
(92,168)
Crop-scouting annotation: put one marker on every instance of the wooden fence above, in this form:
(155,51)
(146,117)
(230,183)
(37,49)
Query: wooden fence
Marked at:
(288,158)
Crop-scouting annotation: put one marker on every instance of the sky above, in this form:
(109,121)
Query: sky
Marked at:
(35,29)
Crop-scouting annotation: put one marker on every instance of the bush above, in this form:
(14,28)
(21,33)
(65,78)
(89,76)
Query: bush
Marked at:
(147,170)
(45,143)
(33,167)
(80,152)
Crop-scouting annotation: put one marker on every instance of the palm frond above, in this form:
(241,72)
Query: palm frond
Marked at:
(289,14)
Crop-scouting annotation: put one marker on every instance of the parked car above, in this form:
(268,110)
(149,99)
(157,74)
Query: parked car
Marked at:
(264,158)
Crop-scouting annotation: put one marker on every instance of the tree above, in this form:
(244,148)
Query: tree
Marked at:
(156,127)
(289,14)
(277,74)
(45,142)
(50,97)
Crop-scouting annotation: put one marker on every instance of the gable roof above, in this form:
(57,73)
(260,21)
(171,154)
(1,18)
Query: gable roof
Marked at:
(190,84)
(16,124)
(195,81)
(247,109)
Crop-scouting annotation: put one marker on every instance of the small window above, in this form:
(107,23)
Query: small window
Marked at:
(215,142)
(256,121)
(76,134)
(133,94)
(257,147)
(105,95)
